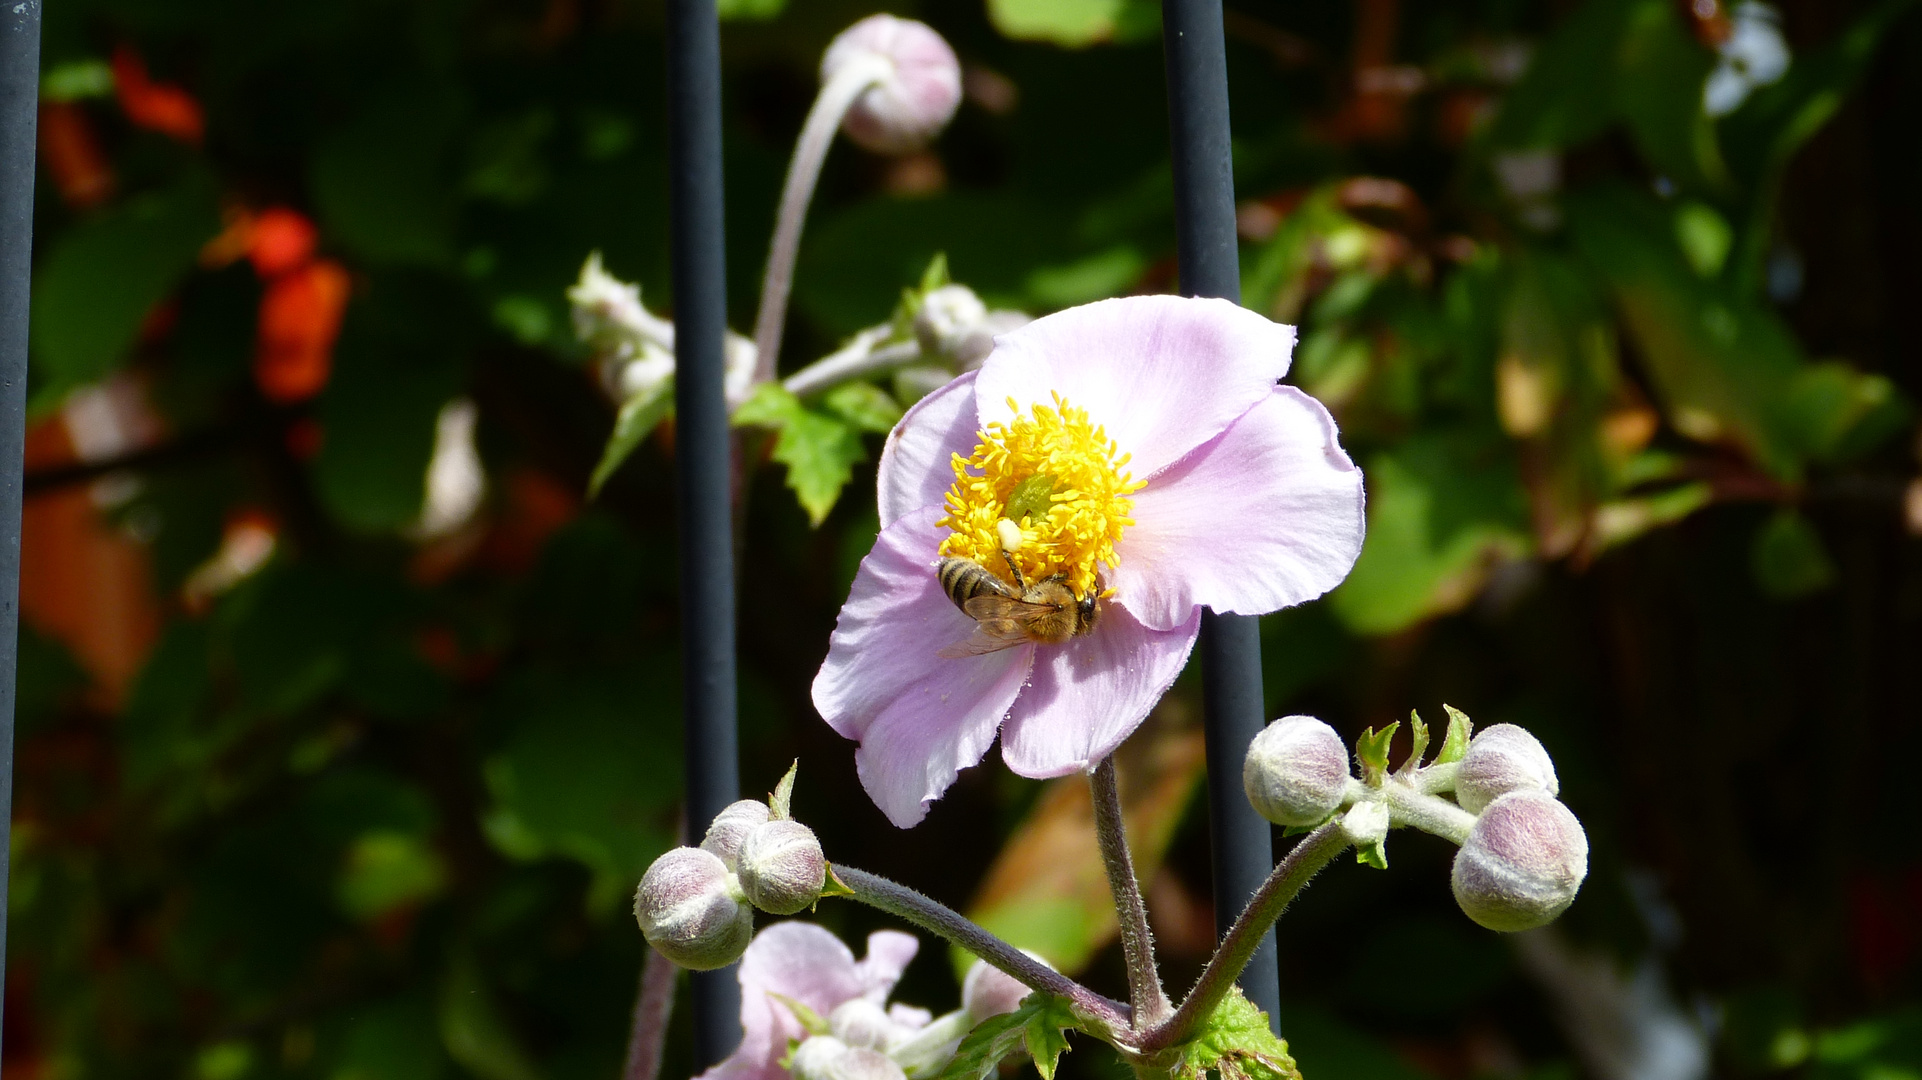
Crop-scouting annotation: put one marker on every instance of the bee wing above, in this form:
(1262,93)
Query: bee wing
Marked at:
(983,641)
(1005,609)
(998,623)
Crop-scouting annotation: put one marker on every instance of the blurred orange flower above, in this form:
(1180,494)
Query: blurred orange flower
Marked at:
(72,155)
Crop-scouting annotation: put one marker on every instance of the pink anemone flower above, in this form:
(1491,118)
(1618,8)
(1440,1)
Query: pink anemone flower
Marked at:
(1135,460)
(804,963)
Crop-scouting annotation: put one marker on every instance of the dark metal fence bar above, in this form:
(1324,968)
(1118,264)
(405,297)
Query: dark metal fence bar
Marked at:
(1230,644)
(19,99)
(702,462)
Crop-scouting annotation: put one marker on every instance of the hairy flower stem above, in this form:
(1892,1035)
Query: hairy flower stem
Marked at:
(1150,1003)
(1428,813)
(652,1008)
(1284,883)
(817,134)
(956,929)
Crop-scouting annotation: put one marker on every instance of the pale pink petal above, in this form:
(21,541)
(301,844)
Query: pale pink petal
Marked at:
(889,952)
(920,717)
(1266,516)
(796,960)
(912,1017)
(916,467)
(1162,374)
(1088,695)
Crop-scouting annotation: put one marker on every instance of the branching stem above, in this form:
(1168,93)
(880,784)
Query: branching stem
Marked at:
(953,927)
(857,359)
(1137,942)
(1285,882)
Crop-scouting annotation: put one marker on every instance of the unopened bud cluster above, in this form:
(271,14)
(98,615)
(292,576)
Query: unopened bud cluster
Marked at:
(696,905)
(1523,854)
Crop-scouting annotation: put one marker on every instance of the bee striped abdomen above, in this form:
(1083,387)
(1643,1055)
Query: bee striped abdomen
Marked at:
(965,579)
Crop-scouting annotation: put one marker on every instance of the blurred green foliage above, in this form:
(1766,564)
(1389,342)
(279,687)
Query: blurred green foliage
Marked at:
(1631,384)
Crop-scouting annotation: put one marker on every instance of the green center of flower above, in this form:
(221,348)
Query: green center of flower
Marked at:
(1045,491)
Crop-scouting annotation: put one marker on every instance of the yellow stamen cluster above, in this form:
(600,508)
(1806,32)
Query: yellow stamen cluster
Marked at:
(1086,502)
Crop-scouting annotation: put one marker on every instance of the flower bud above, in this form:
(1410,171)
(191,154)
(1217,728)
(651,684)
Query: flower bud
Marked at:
(1522,862)
(1501,759)
(690,911)
(825,1057)
(1296,771)
(989,991)
(915,101)
(730,829)
(947,317)
(782,869)
(860,1022)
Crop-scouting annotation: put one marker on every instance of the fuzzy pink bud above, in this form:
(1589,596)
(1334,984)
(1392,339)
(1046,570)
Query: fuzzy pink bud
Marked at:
(1502,759)
(690,910)
(910,105)
(782,869)
(1522,863)
(730,828)
(1296,771)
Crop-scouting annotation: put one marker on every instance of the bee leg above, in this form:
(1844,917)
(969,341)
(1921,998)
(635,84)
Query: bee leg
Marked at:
(1019,582)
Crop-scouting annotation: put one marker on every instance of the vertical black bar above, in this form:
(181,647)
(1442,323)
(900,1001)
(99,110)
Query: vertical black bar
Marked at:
(19,100)
(701,454)
(1197,60)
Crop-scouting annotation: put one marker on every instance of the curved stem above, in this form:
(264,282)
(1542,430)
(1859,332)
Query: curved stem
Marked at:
(817,134)
(857,359)
(953,927)
(1137,942)
(1283,884)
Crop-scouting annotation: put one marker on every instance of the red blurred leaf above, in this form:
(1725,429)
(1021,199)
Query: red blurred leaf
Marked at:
(162,107)
(282,240)
(72,155)
(299,320)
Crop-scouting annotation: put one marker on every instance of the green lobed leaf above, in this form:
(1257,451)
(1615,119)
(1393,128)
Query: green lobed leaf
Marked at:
(1236,1043)
(863,405)
(1039,1026)
(638,417)
(818,448)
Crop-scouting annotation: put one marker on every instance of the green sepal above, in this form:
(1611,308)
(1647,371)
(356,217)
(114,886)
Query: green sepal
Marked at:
(1375,854)
(1371,751)
(1039,1026)
(835,886)
(1236,1043)
(1030,498)
(777,803)
(1455,743)
(934,277)
(638,417)
(809,1019)
(1418,744)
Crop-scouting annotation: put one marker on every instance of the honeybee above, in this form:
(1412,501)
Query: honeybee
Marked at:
(1005,616)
